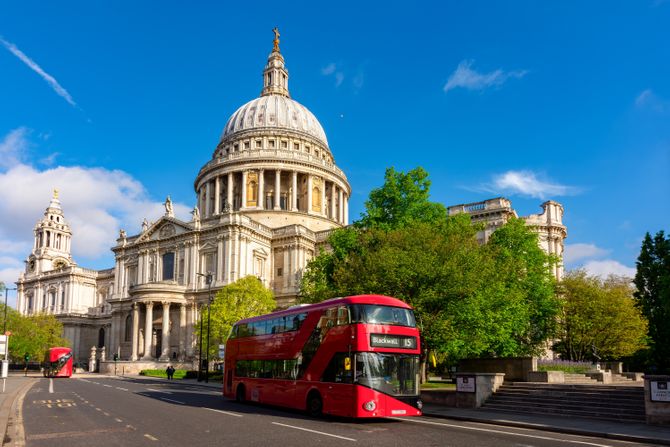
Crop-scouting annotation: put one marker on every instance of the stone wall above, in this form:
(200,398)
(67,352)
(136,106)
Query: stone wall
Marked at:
(514,368)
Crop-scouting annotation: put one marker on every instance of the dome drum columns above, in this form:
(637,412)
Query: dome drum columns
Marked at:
(276,190)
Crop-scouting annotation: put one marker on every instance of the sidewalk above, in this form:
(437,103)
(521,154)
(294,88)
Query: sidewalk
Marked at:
(624,431)
(16,387)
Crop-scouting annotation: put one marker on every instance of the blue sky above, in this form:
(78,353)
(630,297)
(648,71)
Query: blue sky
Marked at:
(119,104)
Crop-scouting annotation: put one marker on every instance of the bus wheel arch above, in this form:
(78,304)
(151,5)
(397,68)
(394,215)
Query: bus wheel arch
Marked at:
(314,403)
(240,393)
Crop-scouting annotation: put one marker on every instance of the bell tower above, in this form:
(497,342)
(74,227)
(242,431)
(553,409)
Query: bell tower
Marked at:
(51,246)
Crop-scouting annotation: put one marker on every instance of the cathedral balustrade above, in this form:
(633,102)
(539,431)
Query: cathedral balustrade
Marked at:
(278,155)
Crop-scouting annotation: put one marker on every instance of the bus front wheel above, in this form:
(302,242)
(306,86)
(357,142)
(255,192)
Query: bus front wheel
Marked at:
(239,394)
(314,404)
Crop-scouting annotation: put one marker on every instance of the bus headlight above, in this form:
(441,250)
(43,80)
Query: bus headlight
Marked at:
(370,405)
(419,404)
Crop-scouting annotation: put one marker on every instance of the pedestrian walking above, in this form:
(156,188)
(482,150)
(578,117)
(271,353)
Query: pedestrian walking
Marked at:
(170,372)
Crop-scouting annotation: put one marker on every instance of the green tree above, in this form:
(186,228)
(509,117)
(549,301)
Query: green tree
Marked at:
(32,334)
(401,200)
(599,317)
(245,298)
(652,281)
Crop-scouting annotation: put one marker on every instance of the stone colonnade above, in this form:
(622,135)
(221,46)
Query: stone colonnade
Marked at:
(184,332)
(246,190)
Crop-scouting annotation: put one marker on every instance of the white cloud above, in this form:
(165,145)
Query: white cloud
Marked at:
(60,91)
(576,252)
(606,267)
(526,183)
(12,147)
(465,77)
(97,202)
(329,69)
(649,100)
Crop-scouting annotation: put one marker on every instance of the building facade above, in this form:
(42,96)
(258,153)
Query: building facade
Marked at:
(548,224)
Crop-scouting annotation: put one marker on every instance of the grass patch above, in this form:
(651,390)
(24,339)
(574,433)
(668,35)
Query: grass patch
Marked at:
(435,385)
(567,366)
(178,373)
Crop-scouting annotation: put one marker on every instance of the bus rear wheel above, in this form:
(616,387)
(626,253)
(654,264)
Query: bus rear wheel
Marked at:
(314,404)
(239,394)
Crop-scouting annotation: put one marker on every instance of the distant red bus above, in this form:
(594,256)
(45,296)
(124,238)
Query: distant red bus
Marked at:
(353,357)
(58,362)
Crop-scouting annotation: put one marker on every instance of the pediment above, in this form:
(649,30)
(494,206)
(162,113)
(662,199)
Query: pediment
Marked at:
(164,228)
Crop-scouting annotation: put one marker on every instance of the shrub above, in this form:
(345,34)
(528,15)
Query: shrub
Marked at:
(565,366)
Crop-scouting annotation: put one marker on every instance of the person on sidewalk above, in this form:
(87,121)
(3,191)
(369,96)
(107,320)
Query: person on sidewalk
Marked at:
(170,372)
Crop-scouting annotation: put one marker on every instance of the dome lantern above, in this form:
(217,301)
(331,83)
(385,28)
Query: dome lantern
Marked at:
(275,75)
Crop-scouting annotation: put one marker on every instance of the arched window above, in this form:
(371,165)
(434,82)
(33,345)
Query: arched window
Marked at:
(129,328)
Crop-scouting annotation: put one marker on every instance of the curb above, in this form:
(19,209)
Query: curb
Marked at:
(552,428)
(11,419)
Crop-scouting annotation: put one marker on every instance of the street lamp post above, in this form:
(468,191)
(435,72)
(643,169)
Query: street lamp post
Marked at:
(208,280)
(4,326)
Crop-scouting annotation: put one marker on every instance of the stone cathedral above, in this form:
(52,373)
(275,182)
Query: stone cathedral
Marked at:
(267,201)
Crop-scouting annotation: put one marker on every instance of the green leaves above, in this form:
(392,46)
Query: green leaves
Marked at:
(472,300)
(32,334)
(245,298)
(653,295)
(599,315)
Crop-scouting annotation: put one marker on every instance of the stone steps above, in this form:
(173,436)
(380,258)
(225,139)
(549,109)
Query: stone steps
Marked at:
(619,403)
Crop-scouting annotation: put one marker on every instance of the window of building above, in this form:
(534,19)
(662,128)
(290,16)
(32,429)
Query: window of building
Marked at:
(259,144)
(236,147)
(271,144)
(168,266)
(247,145)
(296,146)
(129,328)
(284,144)
(280,271)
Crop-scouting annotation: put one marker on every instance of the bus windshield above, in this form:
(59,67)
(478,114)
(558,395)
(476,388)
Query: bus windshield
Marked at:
(373,314)
(393,374)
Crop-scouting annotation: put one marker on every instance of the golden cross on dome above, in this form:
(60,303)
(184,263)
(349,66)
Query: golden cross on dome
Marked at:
(55,193)
(276,41)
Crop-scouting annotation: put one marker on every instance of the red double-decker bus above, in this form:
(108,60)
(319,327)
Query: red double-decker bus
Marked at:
(58,362)
(354,357)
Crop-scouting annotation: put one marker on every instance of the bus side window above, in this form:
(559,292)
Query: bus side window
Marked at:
(343,315)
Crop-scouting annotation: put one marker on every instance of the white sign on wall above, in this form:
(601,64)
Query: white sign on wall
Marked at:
(465,384)
(3,345)
(659,390)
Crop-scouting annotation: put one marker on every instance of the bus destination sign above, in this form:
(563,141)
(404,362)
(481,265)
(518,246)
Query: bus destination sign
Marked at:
(392,341)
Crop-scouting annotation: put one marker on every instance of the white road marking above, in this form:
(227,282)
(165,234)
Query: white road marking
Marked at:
(95,382)
(224,412)
(158,391)
(51,386)
(105,413)
(172,400)
(118,420)
(97,409)
(315,431)
(122,389)
(108,386)
(147,435)
(502,432)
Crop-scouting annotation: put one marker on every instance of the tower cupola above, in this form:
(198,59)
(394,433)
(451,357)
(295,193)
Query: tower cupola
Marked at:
(51,248)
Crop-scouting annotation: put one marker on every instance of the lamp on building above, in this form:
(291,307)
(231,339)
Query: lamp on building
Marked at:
(4,326)
(208,280)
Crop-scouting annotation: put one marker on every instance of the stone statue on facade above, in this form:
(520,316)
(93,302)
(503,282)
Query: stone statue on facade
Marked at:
(145,225)
(169,210)
(196,217)
(122,234)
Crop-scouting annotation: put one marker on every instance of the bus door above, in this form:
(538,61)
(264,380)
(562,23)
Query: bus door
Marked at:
(338,389)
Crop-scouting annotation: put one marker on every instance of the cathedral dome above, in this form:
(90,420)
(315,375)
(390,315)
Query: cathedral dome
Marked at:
(275,112)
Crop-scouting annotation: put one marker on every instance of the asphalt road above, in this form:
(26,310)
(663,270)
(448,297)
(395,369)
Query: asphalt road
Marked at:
(134,412)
